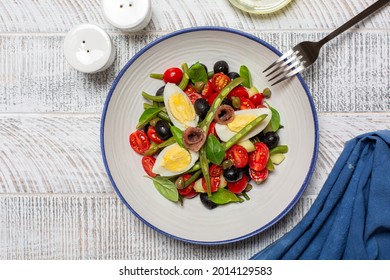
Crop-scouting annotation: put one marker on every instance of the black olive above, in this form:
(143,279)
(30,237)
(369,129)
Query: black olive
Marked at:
(163,130)
(201,107)
(160,91)
(207,202)
(227,102)
(233,75)
(233,174)
(271,139)
(221,66)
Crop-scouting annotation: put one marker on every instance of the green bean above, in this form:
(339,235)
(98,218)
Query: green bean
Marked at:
(152,97)
(244,131)
(279,149)
(210,74)
(153,149)
(162,115)
(184,81)
(192,178)
(205,124)
(204,166)
(156,76)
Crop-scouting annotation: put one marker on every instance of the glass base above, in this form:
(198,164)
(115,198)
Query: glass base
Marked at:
(260,6)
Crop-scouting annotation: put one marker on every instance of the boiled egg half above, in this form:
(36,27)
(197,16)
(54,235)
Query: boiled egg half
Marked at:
(174,160)
(241,119)
(179,107)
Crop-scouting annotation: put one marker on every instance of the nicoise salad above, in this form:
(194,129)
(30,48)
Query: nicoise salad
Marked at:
(210,134)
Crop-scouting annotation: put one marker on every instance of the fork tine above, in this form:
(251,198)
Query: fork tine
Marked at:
(283,65)
(292,73)
(283,57)
(286,69)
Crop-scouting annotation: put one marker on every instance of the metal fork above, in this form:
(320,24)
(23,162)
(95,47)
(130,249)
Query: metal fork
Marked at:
(305,53)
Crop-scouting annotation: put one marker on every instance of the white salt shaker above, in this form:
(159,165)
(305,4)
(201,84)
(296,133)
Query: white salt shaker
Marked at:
(128,15)
(89,49)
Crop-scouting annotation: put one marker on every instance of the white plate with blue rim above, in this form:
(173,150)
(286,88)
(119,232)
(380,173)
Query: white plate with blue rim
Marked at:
(192,222)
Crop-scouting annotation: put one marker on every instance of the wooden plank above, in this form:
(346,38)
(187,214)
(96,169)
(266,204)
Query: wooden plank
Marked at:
(352,73)
(101,227)
(168,15)
(60,153)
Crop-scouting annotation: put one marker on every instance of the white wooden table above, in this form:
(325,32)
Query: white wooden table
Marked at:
(56,201)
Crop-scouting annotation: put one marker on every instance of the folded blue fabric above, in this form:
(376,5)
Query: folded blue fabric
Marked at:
(350,218)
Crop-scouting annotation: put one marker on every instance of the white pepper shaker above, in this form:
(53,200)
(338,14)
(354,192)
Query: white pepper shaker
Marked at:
(128,15)
(88,48)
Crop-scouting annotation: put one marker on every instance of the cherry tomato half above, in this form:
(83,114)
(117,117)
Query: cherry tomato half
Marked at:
(215,170)
(212,129)
(257,99)
(258,158)
(258,176)
(239,92)
(212,97)
(153,136)
(238,155)
(239,186)
(192,94)
(173,75)
(246,104)
(214,183)
(219,81)
(189,191)
(207,90)
(147,164)
(139,141)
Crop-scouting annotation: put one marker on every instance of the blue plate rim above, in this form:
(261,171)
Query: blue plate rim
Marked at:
(249,36)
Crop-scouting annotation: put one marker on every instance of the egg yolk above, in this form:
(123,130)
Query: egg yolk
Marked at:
(240,121)
(176,159)
(181,108)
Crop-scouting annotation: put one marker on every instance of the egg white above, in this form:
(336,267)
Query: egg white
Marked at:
(170,89)
(159,169)
(224,133)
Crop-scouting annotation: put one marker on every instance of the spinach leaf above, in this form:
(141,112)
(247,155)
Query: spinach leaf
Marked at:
(147,116)
(197,73)
(178,135)
(166,188)
(244,73)
(215,151)
(224,196)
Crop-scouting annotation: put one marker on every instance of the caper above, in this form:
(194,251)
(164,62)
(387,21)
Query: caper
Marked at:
(248,188)
(199,86)
(267,93)
(180,183)
(227,164)
(236,102)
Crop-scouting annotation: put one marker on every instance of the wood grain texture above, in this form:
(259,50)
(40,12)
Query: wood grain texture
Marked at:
(28,16)
(352,73)
(101,227)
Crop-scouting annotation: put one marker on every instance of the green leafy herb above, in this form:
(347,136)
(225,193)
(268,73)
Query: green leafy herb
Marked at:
(214,150)
(244,73)
(147,116)
(178,135)
(275,120)
(224,196)
(197,73)
(166,188)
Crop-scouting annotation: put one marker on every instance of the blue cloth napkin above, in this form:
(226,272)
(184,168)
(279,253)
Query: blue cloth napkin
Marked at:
(350,218)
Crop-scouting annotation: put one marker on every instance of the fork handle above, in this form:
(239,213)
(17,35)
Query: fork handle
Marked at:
(377,5)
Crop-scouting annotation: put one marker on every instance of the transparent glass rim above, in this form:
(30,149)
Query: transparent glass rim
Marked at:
(259,8)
